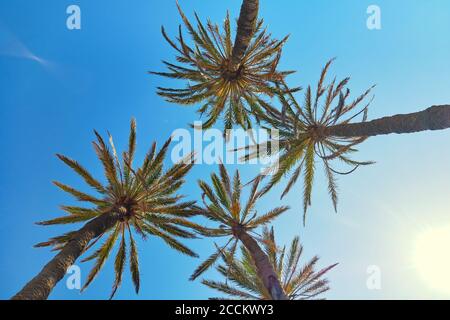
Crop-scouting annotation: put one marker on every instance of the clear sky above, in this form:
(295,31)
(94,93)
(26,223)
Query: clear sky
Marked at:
(57,85)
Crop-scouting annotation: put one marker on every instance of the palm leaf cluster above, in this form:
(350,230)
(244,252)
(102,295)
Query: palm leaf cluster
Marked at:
(222,205)
(145,200)
(299,282)
(303,137)
(213,80)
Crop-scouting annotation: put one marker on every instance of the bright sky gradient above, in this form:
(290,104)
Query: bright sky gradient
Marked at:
(58,85)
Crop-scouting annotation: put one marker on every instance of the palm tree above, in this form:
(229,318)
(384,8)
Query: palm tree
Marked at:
(320,128)
(246,26)
(227,79)
(299,283)
(143,200)
(222,205)
(432,118)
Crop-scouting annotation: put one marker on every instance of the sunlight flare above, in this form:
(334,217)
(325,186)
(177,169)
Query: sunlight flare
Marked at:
(432,258)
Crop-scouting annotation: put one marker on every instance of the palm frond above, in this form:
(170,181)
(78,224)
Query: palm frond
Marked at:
(304,136)
(82,172)
(80,196)
(173,243)
(101,255)
(134,263)
(242,280)
(268,217)
(143,200)
(211,260)
(119,264)
(212,77)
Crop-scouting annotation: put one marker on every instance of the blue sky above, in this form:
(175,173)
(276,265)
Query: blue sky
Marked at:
(96,78)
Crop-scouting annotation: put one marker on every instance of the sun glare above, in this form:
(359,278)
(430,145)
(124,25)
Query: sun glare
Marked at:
(432,258)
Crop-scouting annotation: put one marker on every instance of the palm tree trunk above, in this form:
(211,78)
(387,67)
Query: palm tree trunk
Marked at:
(40,286)
(246,26)
(433,118)
(265,269)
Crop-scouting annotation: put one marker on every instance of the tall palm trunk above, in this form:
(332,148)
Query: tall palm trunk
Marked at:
(265,269)
(40,286)
(246,26)
(433,118)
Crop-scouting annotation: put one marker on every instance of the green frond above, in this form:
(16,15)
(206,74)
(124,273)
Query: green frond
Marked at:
(332,188)
(80,196)
(158,219)
(173,243)
(253,197)
(82,172)
(136,195)
(285,164)
(161,154)
(305,134)
(236,195)
(292,180)
(205,265)
(107,160)
(176,231)
(119,264)
(220,191)
(82,211)
(225,179)
(290,268)
(134,263)
(58,241)
(225,288)
(270,246)
(206,68)
(102,255)
(128,156)
(268,217)
(308,178)
(116,158)
(242,280)
(70,219)
(208,192)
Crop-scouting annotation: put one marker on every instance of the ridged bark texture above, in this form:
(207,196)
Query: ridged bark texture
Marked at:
(265,269)
(40,286)
(433,118)
(246,26)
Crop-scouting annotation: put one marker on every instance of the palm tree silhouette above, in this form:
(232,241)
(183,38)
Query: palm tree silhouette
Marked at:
(321,129)
(299,282)
(141,201)
(226,78)
(236,221)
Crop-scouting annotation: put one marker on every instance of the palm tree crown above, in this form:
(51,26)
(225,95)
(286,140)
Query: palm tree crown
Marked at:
(144,200)
(236,221)
(299,283)
(222,204)
(213,78)
(303,138)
